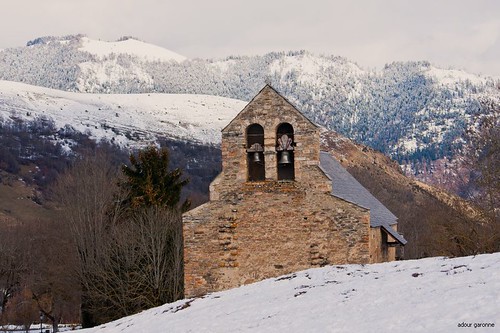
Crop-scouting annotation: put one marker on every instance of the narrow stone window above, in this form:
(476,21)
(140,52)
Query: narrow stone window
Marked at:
(285,150)
(255,153)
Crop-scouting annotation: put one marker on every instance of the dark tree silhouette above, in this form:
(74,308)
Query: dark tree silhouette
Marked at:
(149,182)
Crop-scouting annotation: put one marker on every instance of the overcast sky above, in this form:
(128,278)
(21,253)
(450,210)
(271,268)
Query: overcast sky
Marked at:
(449,33)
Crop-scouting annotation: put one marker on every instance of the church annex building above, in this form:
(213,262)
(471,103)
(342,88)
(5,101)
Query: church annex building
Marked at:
(280,205)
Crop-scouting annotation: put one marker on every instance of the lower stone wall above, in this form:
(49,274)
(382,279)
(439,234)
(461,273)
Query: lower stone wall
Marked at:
(268,229)
(379,250)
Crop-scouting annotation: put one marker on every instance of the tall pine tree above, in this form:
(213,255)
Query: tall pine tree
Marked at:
(149,182)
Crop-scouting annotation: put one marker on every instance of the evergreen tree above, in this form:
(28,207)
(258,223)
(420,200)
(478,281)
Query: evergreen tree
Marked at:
(149,182)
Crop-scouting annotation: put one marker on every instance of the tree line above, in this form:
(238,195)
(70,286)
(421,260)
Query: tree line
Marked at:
(114,249)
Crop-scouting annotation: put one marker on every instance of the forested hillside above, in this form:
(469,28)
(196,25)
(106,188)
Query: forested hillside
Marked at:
(413,111)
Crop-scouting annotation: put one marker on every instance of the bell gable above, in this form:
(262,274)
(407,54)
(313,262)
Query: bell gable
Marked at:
(287,143)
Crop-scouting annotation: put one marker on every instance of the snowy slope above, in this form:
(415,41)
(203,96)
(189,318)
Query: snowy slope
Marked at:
(413,111)
(110,65)
(452,77)
(131,119)
(427,295)
(404,109)
(310,68)
(129,46)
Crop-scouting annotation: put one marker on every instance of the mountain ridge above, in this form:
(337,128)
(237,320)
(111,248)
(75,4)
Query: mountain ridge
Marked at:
(414,112)
(131,46)
(116,118)
(133,121)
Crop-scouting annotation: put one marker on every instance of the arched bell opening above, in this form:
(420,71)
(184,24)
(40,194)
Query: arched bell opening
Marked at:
(255,153)
(285,150)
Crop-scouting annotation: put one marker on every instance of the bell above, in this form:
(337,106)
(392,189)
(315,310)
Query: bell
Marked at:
(285,158)
(256,157)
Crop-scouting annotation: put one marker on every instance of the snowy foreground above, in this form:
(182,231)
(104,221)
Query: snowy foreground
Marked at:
(427,295)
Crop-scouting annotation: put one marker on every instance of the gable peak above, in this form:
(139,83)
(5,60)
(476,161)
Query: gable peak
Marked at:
(274,94)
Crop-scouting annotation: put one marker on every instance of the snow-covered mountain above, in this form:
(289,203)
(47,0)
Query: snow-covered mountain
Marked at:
(127,120)
(129,46)
(413,111)
(33,119)
(426,295)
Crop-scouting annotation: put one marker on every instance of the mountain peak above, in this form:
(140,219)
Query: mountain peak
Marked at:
(130,46)
(48,39)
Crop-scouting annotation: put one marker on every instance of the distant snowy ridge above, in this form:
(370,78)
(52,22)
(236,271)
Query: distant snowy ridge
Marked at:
(130,46)
(426,295)
(407,109)
(412,111)
(111,66)
(127,120)
(454,76)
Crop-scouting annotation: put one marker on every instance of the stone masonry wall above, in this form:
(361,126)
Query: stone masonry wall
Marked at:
(266,229)
(269,110)
(250,231)
(377,247)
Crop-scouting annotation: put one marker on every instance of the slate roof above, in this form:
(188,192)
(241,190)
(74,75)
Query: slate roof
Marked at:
(346,187)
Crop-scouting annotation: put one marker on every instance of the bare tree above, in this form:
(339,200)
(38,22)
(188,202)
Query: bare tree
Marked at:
(129,258)
(141,266)
(21,310)
(53,290)
(476,229)
(13,261)
(159,233)
(86,193)
(483,159)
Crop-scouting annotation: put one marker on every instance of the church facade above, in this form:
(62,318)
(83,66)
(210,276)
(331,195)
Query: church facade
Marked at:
(280,205)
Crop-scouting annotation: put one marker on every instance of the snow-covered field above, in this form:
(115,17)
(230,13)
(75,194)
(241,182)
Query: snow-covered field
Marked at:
(427,295)
(107,116)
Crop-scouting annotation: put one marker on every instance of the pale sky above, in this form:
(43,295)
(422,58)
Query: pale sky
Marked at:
(449,33)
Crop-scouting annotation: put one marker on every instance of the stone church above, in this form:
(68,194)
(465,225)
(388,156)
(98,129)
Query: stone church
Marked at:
(280,205)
